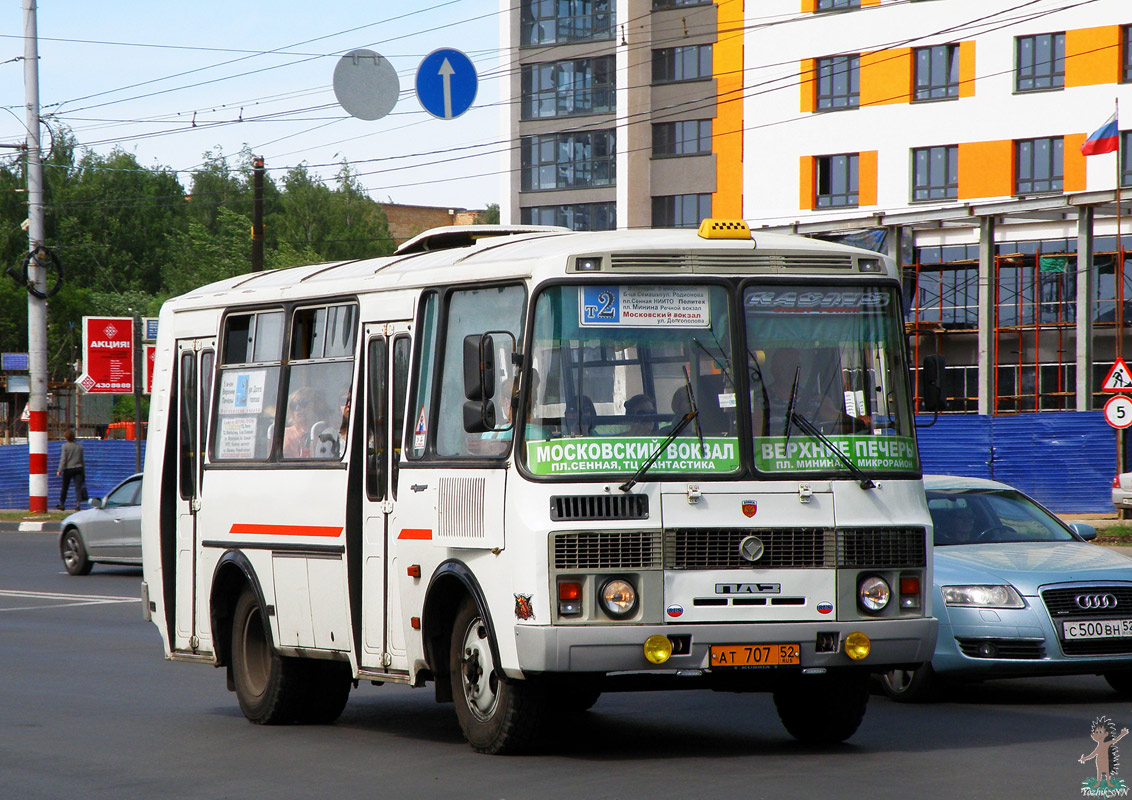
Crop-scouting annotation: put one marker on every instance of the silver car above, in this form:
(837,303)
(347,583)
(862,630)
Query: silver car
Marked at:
(109,532)
(1122,490)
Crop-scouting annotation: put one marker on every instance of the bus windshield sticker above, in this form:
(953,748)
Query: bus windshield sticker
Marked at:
(644,306)
(420,433)
(626,454)
(237,437)
(816,301)
(800,454)
(242,392)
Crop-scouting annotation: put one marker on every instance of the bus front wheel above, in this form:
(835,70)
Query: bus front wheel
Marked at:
(496,716)
(823,709)
(267,684)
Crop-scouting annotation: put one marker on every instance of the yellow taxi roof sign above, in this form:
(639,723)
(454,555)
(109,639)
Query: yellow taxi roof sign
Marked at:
(724,229)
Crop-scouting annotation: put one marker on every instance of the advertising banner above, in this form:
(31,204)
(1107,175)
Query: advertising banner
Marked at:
(108,355)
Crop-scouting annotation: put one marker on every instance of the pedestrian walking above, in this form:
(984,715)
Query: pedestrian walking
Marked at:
(72,468)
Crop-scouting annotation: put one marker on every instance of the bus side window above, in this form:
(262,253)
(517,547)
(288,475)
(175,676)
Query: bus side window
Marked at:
(419,414)
(376,395)
(469,312)
(402,355)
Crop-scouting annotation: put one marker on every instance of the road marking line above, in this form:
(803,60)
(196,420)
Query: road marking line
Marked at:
(79,598)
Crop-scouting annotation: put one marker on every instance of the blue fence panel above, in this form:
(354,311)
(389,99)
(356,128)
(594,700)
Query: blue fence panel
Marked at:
(108,462)
(1064,460)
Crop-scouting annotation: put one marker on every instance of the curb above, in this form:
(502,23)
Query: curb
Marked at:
(50,526)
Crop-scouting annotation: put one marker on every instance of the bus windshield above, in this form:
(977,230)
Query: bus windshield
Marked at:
(617,367)
(827,370)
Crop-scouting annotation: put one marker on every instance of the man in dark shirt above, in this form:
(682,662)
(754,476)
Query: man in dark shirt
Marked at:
(72,467)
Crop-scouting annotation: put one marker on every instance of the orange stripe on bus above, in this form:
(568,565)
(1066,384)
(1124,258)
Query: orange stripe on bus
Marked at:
(415,533)
(285,530)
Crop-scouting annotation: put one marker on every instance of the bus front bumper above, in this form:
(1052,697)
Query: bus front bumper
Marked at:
(620,648)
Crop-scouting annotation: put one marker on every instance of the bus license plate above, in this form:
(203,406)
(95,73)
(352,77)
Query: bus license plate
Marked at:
(1098,629)
(753,655)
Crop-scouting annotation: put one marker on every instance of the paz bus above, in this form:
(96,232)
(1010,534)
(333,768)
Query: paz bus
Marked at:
(528,466)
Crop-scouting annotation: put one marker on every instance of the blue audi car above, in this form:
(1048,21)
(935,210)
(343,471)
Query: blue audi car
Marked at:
(1018,593)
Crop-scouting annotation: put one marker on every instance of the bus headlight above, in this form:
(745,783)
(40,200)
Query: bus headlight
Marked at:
(618,598)
(873,593)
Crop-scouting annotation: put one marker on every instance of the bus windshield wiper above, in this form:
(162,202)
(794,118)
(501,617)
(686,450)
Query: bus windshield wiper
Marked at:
(813,430)
(793,400)
(681,425)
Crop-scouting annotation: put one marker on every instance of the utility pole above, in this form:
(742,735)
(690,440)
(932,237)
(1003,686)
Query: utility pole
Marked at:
(37,302)
(257,214)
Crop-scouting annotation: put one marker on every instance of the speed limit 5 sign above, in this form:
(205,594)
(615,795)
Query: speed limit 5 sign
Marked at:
(1118,411)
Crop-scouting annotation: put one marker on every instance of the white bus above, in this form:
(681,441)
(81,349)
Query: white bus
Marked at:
(530,466)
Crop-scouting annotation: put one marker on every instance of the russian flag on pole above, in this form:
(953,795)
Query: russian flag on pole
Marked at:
(1104,139)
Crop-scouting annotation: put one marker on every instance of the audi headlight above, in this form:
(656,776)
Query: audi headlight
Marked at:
(873,592)
(618,598)
(982,596)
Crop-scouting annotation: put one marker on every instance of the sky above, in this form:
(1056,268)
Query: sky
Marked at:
(172,81)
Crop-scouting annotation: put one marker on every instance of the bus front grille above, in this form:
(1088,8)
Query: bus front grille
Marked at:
(719,548)
(599,507)
(607,550)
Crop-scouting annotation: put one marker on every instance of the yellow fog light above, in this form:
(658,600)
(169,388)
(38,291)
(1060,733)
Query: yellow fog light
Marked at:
(857,645)
(658,649)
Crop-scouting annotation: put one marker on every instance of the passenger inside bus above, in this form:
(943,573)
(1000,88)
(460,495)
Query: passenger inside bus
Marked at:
(307,412)
(641,413)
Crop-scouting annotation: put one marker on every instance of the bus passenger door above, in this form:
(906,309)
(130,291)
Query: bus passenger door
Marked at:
(195,360)
(387,354)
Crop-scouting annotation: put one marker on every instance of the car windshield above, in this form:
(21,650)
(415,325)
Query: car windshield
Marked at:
(967,516)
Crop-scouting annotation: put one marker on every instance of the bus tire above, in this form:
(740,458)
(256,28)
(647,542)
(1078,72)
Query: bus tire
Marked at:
(268,685)
(496,716)
(823,710)
(325,690)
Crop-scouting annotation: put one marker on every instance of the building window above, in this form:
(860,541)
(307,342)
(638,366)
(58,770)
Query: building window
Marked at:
(1040,62)
(937,72)
(568,160)
(680,210)
(1038,165)
(576,217)
(836,181)
(1126,53)
(555,21)
(839,82)
(673,64)
(935,173)
(563,88)
(834,5)
(687,138)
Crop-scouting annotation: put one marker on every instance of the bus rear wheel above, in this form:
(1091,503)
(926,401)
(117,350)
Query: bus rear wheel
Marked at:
(325,690)
(497,716)
(267,684)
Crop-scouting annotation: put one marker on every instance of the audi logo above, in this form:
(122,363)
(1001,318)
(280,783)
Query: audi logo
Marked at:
(1096,601)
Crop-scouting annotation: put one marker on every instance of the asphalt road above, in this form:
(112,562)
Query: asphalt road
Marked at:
(90,709)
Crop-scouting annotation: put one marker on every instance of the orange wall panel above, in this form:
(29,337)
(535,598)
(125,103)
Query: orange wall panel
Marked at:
(807,182)
(1092,56)
(809,6)
(865,3)
(807,85)
(727,130)
(886,77)
(1073,163)
(986,169)
(967,69)
(867,178)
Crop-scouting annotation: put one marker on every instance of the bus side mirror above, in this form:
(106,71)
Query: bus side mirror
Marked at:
(479,366)
(931,384)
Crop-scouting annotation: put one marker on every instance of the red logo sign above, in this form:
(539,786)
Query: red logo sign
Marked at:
(750,507)
(108,355)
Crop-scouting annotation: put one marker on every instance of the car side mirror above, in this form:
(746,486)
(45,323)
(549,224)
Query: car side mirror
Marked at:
(95,502)
(1086,532)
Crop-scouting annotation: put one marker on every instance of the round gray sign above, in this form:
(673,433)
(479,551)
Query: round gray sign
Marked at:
(366,84)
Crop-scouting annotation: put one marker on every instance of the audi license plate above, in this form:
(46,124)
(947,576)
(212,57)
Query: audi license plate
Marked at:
(754,655)
(1097,629)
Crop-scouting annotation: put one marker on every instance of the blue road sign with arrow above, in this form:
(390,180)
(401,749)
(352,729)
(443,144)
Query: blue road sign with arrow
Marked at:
(446,83)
